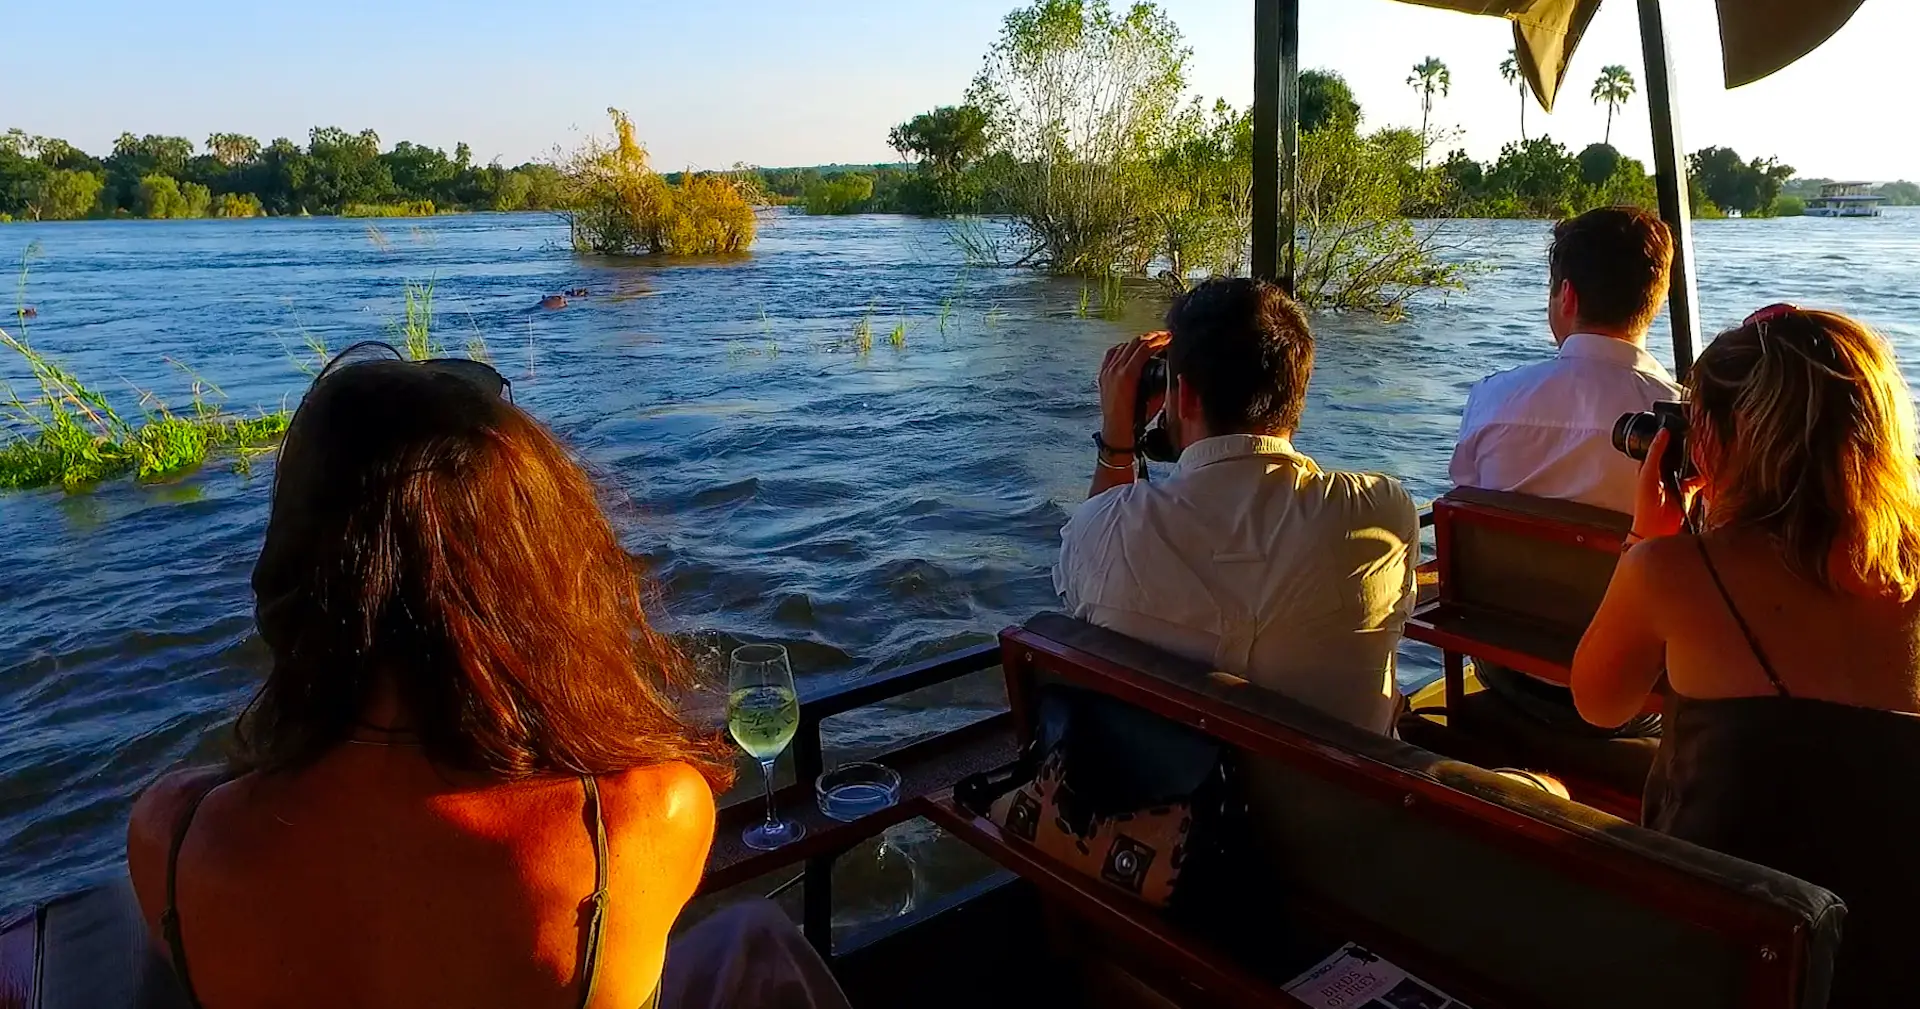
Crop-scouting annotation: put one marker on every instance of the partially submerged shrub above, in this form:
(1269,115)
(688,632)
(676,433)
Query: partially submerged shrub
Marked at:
(617,204)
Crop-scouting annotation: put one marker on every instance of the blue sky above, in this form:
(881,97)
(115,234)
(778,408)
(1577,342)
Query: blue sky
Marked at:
(713,82)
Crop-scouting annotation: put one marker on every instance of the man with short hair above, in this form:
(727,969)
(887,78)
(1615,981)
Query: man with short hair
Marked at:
(1250,557)
(1546,429)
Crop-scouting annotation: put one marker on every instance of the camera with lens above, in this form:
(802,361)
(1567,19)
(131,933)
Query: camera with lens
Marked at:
(1150,428)
(1633,436)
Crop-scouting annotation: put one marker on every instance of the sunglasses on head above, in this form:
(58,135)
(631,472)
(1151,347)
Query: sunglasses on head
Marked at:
(478,372)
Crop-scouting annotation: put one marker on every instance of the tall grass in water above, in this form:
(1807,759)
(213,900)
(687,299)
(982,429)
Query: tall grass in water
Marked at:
(71,436)
(863,332)
(413,334)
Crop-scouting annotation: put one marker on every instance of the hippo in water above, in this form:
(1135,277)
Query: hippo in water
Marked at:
(553,301)
(29,312)
(578,292)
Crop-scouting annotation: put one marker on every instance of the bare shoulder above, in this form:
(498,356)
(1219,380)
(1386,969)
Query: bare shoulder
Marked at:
(672,797)
(1658,560)
(158,811)
(156,818)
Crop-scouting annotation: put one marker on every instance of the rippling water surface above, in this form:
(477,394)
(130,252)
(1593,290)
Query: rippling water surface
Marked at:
(865,509)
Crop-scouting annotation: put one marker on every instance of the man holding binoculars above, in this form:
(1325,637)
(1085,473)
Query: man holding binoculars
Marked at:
(1249,557)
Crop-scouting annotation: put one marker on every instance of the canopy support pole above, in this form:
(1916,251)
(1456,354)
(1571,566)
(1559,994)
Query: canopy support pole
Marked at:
(1670,178)
(1276,137)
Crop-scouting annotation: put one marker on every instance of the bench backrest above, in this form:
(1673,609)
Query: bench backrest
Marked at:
(1503,893)
(1546,561)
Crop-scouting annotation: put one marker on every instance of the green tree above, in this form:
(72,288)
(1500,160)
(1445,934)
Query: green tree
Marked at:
(846,193)
(949,139)
(1749,187)
(422,173)
(344,168)
(1539,176)
(1612,88)
(135,158)
(1598,163)
(1081,100)
(21,173)
(64,195)
(233,150)
(1429,77)
(946,142)
(158,197)
(1358,250)
(1326,102)
(1204,208)
(279,177)
(1510,72)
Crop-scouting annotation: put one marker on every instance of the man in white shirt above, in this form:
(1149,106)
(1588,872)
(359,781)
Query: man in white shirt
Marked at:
(1546,429)
(1249,557)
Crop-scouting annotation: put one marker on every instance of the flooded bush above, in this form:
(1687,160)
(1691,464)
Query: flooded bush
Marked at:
(617,204)
(238,205)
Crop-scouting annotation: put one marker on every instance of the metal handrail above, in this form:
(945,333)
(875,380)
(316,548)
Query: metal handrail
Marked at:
(839,698)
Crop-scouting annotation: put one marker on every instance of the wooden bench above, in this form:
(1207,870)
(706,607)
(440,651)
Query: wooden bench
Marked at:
(1518,580)
(1501,895)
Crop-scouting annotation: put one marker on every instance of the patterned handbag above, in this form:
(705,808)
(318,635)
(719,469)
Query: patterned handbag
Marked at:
(1125,797)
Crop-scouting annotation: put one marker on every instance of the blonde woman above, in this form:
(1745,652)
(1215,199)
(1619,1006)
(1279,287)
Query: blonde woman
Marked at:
(1788,629)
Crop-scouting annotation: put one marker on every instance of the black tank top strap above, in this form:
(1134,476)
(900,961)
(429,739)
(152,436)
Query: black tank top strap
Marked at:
(170,918)
(1753,643)
(595,906)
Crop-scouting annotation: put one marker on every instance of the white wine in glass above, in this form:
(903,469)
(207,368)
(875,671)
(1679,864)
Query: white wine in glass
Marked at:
(763,712)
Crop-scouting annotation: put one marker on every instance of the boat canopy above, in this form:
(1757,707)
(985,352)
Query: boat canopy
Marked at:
(1757,37)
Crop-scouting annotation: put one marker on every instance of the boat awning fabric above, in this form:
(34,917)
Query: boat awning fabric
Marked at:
(1757,37)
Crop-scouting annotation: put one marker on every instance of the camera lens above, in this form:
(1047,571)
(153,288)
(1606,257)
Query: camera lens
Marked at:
(1633,434)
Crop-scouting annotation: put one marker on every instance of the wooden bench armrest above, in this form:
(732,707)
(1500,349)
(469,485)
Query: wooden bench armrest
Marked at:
(1125,920)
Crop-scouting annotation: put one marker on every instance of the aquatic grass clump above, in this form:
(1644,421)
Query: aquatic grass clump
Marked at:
(411,208)
(70,435)
(413,334)
(863,332)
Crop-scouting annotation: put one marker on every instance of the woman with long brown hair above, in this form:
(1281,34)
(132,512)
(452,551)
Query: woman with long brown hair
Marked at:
(464,780)
(1788,628)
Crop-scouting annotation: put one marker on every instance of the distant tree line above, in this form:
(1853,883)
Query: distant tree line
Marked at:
(45,178)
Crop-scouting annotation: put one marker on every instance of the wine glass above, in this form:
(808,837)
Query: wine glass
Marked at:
(763,712)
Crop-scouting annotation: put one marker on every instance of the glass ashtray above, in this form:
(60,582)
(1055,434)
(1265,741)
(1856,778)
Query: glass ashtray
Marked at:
(851,791)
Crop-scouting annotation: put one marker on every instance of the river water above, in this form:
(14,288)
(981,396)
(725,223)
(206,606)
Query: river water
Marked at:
(865,508)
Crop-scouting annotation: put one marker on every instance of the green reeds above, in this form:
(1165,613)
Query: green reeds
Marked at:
(898,337)
(863,332)
(414,333)
(414,208)
(70,435)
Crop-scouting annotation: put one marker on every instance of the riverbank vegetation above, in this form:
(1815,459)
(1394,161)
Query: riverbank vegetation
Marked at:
(48,179)
(617,204)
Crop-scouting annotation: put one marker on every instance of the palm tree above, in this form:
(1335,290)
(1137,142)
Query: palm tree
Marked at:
(1614,87)
(1510,72)
(1429,75)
